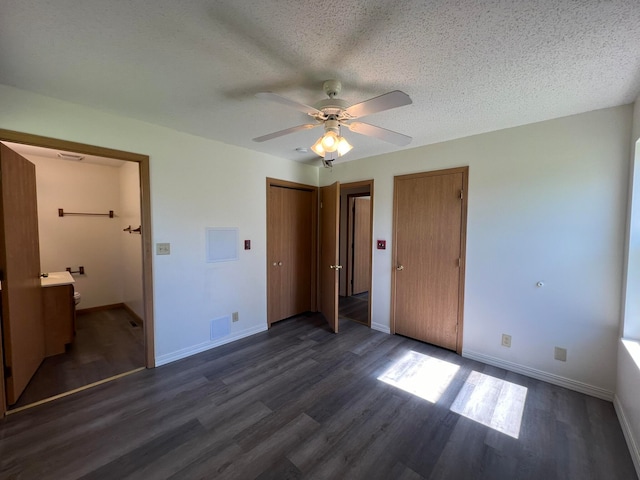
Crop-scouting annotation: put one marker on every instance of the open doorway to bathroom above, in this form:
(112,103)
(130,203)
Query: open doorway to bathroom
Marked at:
(92,204)
(356,220)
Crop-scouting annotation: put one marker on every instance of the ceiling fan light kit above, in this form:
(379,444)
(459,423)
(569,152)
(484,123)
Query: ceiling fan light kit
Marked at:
(331,141)
(333,113)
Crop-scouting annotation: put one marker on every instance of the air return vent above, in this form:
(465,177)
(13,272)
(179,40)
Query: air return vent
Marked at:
(220,327)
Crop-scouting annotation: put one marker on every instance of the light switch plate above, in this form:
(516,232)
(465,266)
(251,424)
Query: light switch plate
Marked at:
(163,249)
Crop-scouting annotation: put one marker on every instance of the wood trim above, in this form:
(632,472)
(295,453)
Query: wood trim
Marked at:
(145,206)
(364,183)
(48,142)
(463,248)
(287,184)
(3,399)
(349,253)
(147,266)
(75,390)
(314,234)
(358,184)
(463,256)
(138,319)
(433,173)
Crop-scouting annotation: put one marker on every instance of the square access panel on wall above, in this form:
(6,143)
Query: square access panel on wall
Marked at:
(222,244)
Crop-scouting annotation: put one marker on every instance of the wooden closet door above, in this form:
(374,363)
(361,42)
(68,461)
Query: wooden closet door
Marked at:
(275,240)
(429,217)
(290,230)
(296,255)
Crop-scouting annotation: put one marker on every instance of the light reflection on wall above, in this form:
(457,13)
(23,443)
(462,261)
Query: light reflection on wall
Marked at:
(633,347)
(493,402)
(421,375)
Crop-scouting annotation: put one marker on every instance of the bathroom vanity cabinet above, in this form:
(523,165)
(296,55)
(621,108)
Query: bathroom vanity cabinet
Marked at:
(58,312)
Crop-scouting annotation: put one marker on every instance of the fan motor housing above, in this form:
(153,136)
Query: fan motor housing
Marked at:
(332,106)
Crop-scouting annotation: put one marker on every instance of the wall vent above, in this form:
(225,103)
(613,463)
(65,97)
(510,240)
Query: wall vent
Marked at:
(220,327)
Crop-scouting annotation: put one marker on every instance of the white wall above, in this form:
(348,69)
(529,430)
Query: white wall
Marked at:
(195,183)
(627,395)
(631,307)
(131,243)
(628,372)
(547,203)
(71,241)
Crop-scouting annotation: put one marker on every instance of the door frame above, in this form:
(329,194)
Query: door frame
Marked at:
(350,234)
(145,211)
(353,185)
(463,245)
(275,182)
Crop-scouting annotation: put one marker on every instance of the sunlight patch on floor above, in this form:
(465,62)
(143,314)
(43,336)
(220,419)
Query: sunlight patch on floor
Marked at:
(420,375)
(493,402)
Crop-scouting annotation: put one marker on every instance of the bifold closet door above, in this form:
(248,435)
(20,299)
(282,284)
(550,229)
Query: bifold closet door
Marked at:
(289,256)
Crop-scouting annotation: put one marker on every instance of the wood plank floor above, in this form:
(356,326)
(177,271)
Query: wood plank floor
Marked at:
(106,344)
(301,402)
(355,307)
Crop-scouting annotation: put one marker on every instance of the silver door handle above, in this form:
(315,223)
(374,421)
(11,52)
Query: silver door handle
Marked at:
(337,267)
(400,267)
(279,264)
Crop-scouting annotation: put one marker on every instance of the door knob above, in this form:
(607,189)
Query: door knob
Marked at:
(337,267)
(400,267)
(279,264)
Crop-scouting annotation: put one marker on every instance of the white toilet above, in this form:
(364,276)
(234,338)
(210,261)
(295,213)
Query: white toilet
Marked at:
(76,298)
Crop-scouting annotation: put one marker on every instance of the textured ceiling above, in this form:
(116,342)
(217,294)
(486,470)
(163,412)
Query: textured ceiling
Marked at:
(195,66)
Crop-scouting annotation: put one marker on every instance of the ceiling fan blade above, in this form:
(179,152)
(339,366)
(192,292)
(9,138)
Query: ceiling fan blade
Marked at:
(380,133)
(378,104)
(289,103)
(286,131)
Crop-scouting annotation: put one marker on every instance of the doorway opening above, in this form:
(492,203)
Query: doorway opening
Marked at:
(356,249)
(107,258)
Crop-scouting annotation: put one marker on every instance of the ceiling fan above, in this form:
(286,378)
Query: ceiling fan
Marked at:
(334,113)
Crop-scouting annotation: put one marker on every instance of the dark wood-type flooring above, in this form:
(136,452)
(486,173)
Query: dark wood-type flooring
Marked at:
(300,402)
(106,344)
(355,307)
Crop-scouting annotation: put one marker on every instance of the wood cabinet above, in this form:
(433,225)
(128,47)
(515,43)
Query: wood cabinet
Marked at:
(59,318)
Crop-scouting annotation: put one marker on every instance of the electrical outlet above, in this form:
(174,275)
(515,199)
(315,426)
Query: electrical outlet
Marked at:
(163,249)
(560,354)
(506,340)
(234,317)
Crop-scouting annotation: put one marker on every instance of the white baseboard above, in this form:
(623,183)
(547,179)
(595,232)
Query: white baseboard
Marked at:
(380,327)
(628,434)
(202,347)
(540,375)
